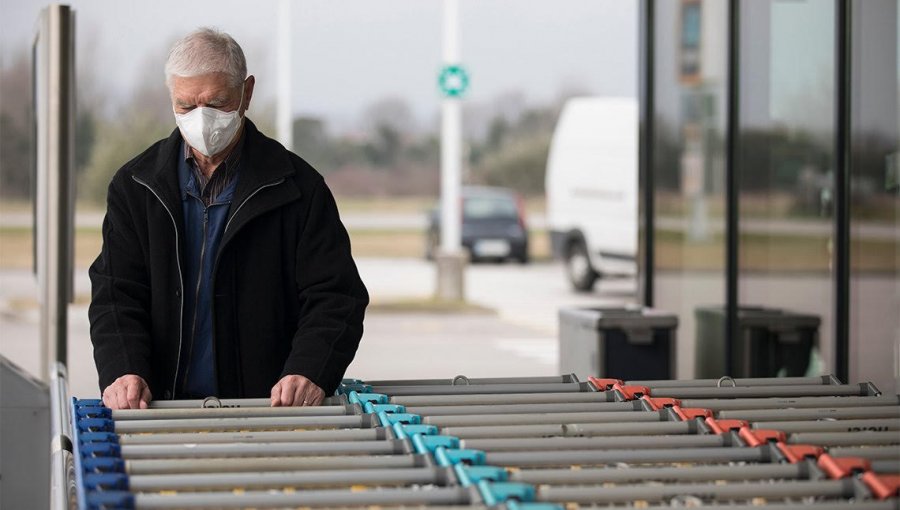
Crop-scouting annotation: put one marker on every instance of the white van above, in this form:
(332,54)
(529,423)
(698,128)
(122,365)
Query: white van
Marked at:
(592,189)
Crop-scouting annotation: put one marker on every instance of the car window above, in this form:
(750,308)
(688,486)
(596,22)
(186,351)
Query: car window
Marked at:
(489,207)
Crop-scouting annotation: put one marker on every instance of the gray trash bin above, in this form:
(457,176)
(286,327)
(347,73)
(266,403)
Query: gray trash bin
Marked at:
(771,342)
(618,343)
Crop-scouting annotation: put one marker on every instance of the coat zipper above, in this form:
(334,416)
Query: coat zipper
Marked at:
(187,368)
(180,278)
(264,186)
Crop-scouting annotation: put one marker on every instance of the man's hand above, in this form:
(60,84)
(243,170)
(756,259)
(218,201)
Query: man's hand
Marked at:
(296,390)
(127,392)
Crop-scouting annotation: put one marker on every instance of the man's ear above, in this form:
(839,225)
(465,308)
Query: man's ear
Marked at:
(248,92)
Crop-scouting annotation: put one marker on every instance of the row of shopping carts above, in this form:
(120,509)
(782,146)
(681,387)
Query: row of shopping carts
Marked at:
(539,443)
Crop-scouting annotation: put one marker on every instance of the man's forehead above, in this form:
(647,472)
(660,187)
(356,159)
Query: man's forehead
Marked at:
(204,84)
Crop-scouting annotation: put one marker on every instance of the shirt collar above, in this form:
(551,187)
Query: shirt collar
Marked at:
(232,157)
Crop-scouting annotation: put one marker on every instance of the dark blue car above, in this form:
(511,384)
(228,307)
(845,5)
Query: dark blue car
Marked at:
(493,225)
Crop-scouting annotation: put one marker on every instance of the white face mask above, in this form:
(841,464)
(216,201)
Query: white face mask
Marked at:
(209,130)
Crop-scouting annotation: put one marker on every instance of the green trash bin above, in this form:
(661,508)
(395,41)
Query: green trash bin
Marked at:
(771,342)
(620,343)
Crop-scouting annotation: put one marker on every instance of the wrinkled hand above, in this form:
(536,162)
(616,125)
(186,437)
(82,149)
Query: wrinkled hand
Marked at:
(127,392)
(296,390)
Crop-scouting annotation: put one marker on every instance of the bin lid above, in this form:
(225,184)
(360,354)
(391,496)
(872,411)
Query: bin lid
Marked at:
(637,317)
(762,316)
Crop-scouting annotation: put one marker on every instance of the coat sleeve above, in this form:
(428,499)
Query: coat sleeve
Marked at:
(332,297)
(119,312)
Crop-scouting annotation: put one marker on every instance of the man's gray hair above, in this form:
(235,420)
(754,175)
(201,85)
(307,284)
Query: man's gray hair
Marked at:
(205,51)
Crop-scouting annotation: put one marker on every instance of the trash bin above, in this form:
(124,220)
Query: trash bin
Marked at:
(771,342)
(618,343)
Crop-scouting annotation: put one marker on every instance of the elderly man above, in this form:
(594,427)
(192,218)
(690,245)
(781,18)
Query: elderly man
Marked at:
(225,270)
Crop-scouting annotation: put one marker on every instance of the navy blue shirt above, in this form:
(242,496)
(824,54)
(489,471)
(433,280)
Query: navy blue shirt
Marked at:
(205,203)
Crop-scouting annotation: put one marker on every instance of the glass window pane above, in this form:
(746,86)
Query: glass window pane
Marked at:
(786,166)
(689,172)
(875,195)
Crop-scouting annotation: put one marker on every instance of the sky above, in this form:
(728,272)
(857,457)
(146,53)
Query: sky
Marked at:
(348,54)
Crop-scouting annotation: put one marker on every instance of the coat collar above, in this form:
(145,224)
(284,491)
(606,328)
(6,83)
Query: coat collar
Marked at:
(264,163)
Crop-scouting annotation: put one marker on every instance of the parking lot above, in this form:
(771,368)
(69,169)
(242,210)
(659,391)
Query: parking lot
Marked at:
(512,330)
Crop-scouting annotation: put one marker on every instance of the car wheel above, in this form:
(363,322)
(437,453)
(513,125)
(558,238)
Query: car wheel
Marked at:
(522,257)
(581,274)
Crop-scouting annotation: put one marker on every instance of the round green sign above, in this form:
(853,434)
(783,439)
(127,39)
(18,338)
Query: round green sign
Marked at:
(453,81)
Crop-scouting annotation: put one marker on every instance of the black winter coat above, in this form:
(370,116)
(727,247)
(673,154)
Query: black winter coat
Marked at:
(288,298)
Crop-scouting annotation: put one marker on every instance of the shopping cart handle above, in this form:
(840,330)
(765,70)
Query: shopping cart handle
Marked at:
(389,419)
(445,457)
(95,425)
(471,475)
(837,468)
(603,384)
(98,437)
(429,444)
(402,431)
(86,402)
(103,465)
(757,437)
(357,387)
(495,493)
(112,499)
(882,486)
(515,505)
(362,398)
(387,408)
(106,481)
(794,453)
(100,450)
(93,412)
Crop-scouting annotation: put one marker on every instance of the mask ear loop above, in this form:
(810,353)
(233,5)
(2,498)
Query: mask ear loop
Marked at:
(243,85)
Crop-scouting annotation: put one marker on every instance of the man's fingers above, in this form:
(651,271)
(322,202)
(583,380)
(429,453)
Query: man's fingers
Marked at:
(146,397)
(133,394)
(296,390)
(300,398)
(287,394)
(121,397)
(108,399)
(127,392)
(276,394)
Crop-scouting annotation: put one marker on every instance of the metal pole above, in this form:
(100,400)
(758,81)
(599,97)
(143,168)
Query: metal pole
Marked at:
(55,144)
(735,491)
(293,479)
(278,436)
(645,456)
(501,398)
(62,484)
(645,155)
(732,195)
(451,133)
(450,259)
(285,117)
(544,419)
(842,169)
(234,424)
(641,474)
(572,430)
(170,466)
(859,426)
